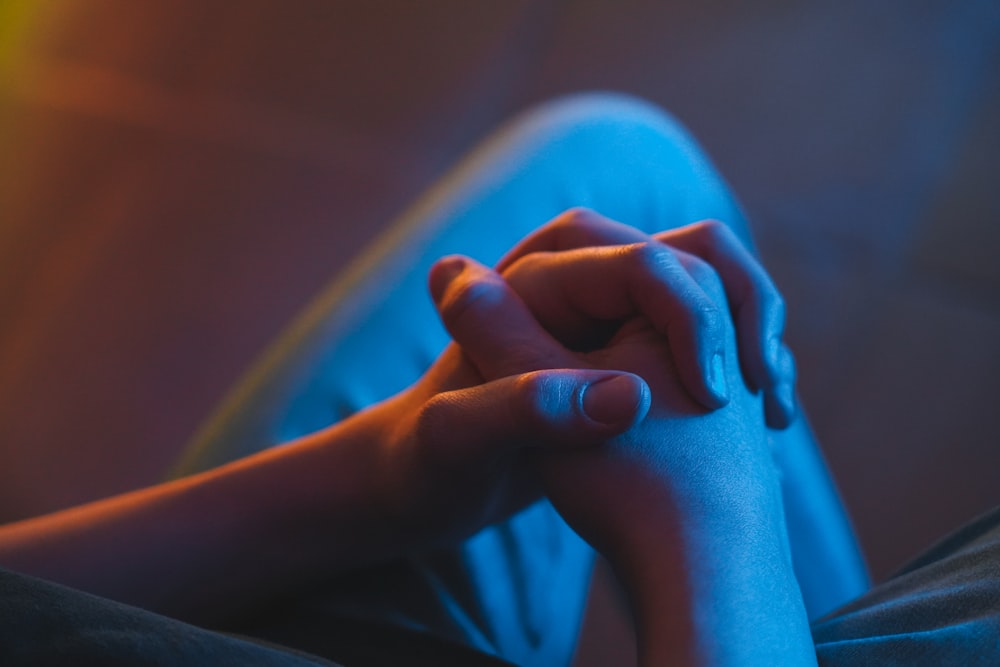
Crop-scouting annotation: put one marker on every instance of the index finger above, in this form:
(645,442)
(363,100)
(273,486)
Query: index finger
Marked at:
(576,293)
(575,228)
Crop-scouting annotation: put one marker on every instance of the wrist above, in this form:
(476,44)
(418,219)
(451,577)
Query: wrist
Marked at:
(713,584)
(313,511)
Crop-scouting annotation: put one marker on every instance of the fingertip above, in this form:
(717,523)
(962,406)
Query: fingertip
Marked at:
(707,381)
(442,273)
(702,363)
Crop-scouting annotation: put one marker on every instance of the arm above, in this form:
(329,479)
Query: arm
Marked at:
(204,546)
(700,545)
(825,554)
(687,509)
(212,543)
(370,488)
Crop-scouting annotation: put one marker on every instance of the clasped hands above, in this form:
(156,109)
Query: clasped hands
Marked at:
(600,367)
(627,378)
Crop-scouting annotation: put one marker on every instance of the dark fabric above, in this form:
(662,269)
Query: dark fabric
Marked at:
(365,643)
(43,624)
(941,609)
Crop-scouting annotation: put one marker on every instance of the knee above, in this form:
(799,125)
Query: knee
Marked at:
(641,165)
(617,121)
(629,159)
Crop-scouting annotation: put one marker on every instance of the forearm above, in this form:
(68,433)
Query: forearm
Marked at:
(714,586)
(203,546)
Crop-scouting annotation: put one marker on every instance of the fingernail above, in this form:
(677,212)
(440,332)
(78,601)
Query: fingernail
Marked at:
(445,271)
(717,378)
(613,400)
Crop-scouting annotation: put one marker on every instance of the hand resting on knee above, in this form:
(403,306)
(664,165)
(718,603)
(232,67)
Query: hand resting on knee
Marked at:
(492,426)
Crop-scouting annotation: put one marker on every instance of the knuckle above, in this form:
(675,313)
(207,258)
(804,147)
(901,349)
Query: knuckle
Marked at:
(469,300)
(578,216)
(427,424)
(716,233)
(651,257)
(536,398)
(708,318)
(714,227)
(525,265)
(703,273)
(710,282)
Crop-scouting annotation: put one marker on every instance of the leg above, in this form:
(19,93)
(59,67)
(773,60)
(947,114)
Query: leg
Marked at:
(516,589)
(619,156)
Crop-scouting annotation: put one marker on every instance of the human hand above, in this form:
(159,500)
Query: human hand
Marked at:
(680,455)
(452,451)
(684,313)
(457,453)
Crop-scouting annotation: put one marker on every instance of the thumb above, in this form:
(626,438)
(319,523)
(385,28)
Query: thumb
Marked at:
(545,409)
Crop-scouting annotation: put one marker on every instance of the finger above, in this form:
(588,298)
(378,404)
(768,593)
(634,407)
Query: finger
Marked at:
(779,400)
(545,409)
(575,228)
(490,322)
(570,291)
(757,307)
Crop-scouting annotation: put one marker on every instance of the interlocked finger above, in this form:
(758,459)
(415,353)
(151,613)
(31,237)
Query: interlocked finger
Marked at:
(757,308)
(580,290)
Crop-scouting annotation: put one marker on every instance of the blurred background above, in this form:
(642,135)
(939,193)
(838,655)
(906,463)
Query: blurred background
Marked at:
(178,179)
